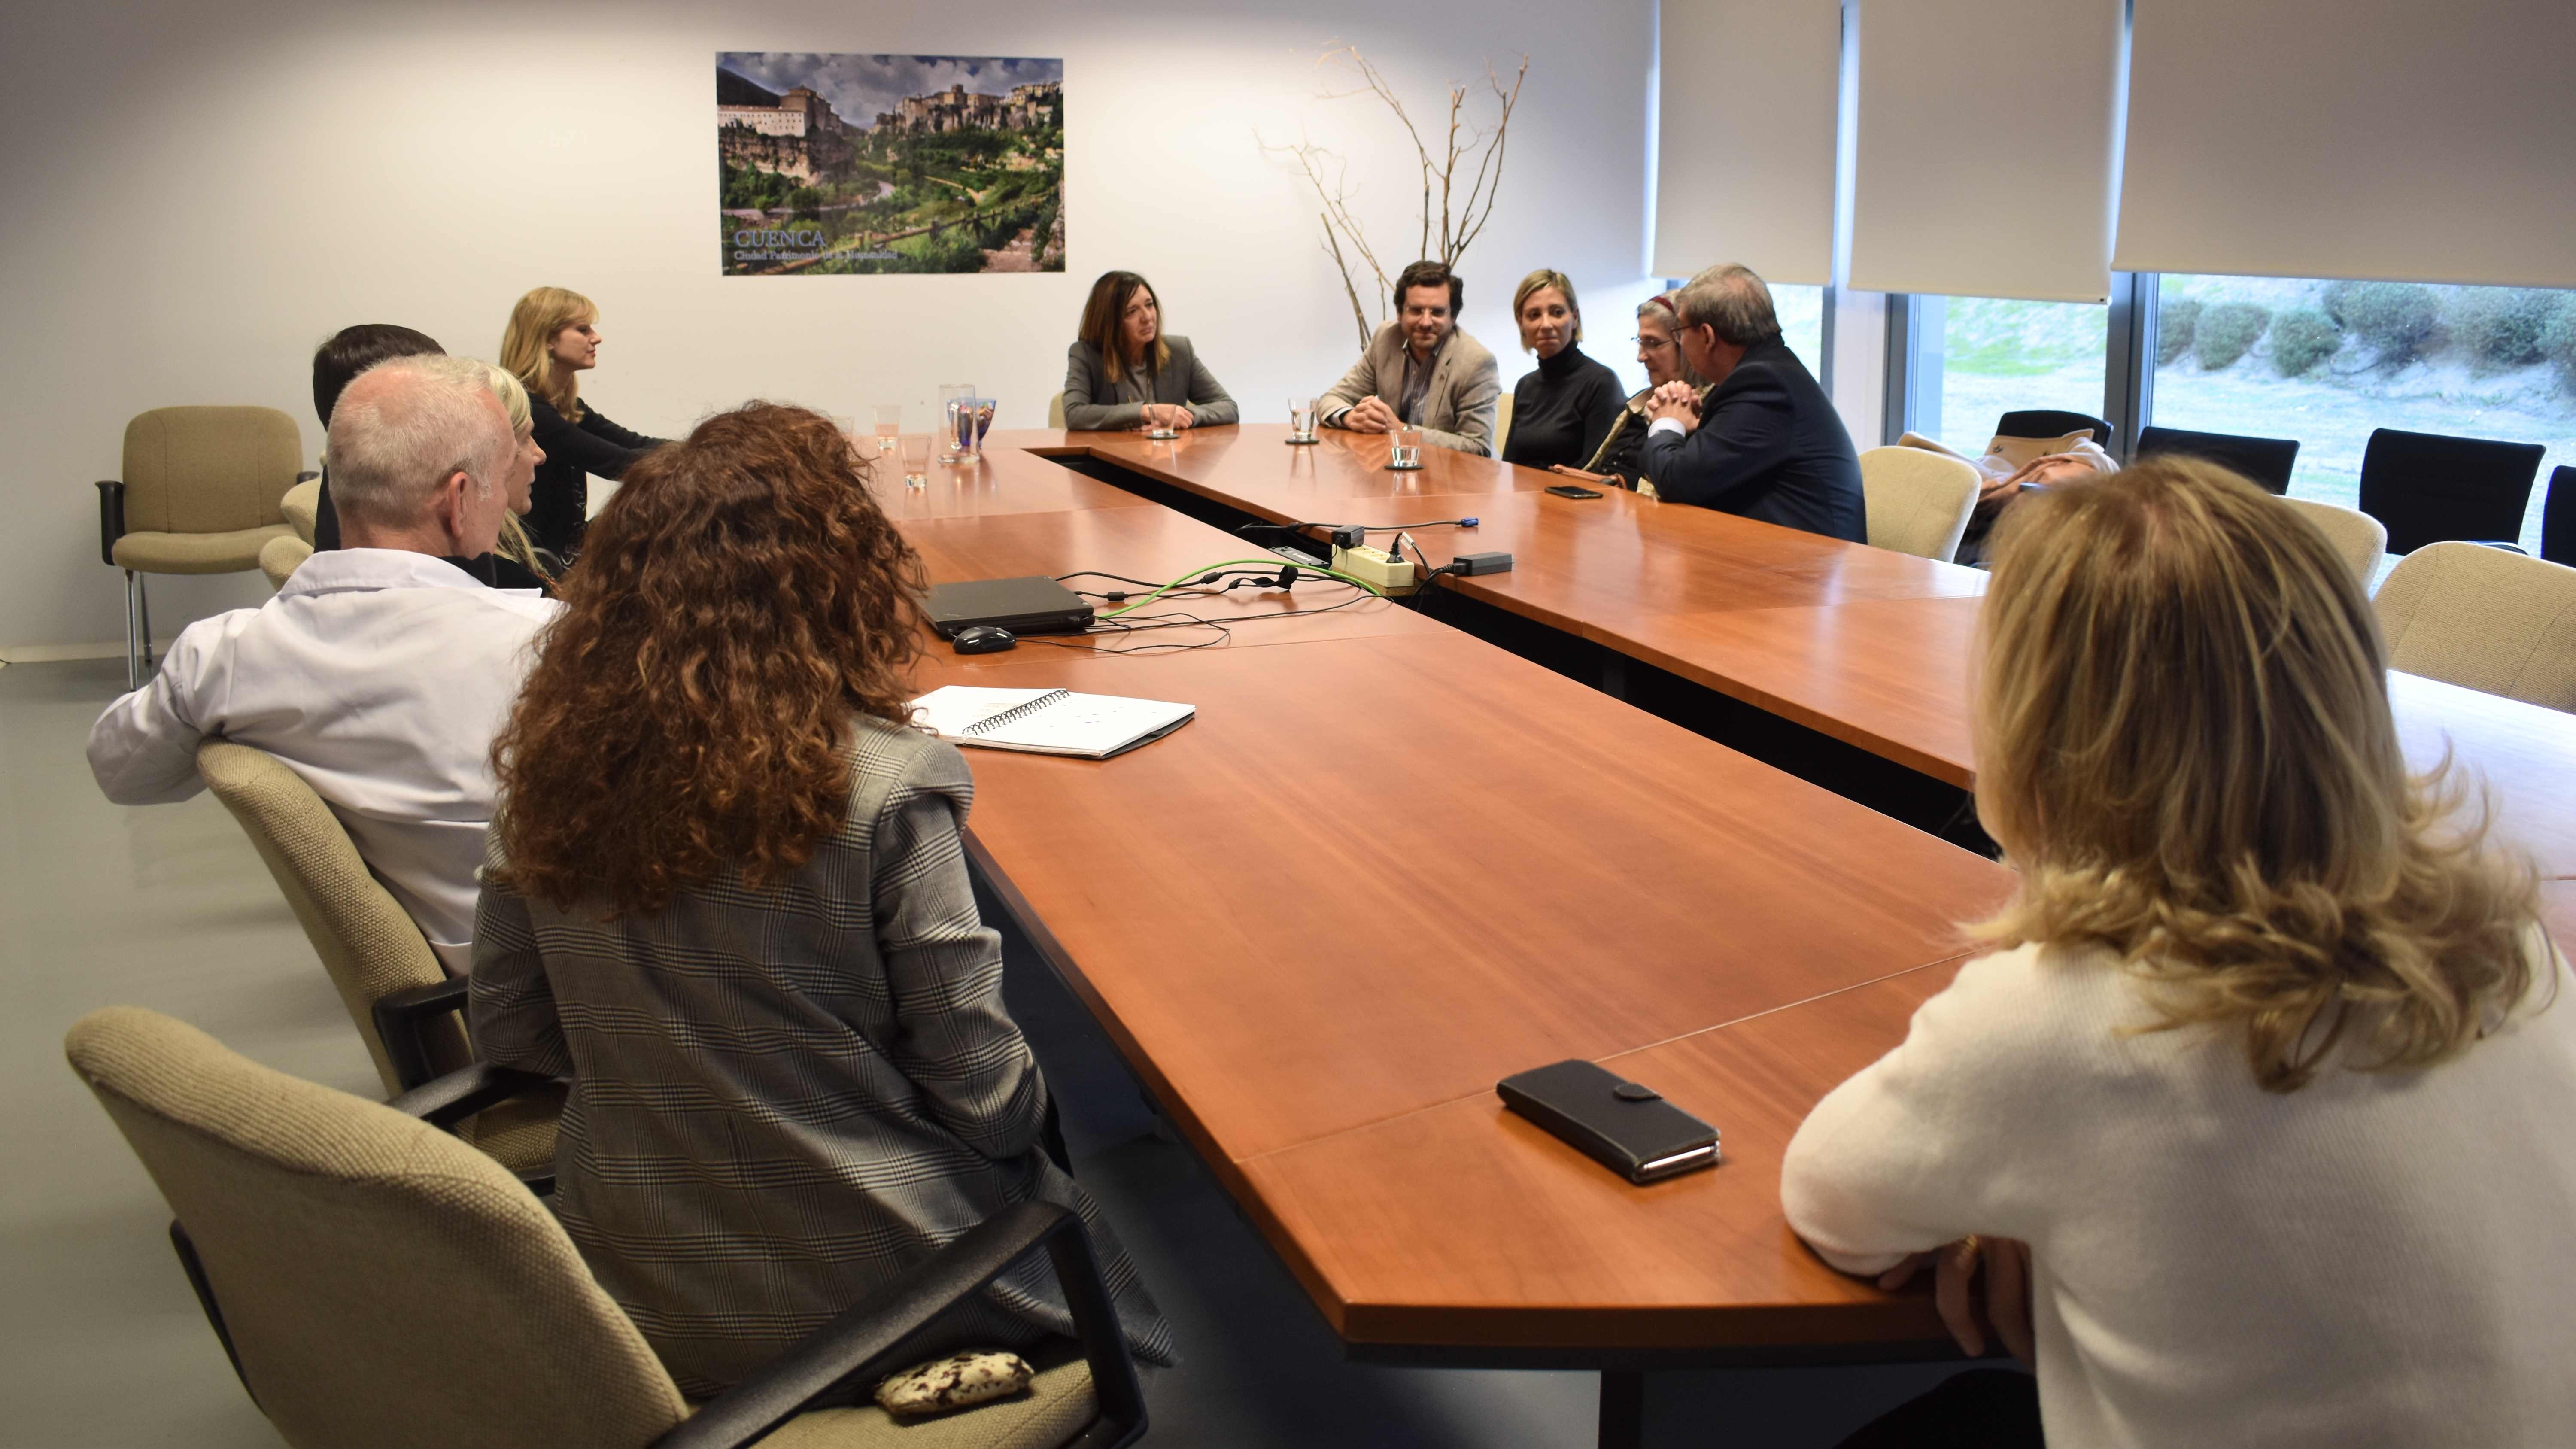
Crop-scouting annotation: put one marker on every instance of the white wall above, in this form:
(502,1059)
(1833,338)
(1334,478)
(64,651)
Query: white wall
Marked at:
(198,194)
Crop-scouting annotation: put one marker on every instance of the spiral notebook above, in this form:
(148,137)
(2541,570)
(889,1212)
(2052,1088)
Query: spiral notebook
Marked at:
(1047,721)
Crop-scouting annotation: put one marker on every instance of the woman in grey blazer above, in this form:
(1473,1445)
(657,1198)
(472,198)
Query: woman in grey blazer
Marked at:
(727,895)
(1126,372)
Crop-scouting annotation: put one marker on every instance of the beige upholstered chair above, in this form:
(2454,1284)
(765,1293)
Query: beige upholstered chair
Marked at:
(199,495)
(279,558)
(2483,618)
(1918,501)
(404,1003)
(1055,411)
(2360,538)
(377,1283)
(1502,422)
(302,505)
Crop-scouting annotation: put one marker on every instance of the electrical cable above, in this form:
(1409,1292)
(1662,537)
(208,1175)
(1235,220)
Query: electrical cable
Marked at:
(1271,565)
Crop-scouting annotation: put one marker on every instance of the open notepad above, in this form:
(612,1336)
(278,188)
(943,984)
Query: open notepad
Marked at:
(1047,721)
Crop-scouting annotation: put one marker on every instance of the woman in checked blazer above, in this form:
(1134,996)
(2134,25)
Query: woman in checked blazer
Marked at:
(726,894)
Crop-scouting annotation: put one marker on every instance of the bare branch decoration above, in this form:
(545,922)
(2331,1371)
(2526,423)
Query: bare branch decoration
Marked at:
(1461,218)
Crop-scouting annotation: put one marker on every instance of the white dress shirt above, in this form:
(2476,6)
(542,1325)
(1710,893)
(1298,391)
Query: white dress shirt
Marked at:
(2376,1259)
(380,676)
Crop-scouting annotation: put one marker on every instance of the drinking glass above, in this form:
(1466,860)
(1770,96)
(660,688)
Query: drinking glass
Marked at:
(1405,451)
(1162,430)
(916,460)
(969,418)
(889,425)
(946,418)
(1301,420)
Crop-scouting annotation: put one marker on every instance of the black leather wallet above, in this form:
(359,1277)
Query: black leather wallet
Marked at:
(1625,1126)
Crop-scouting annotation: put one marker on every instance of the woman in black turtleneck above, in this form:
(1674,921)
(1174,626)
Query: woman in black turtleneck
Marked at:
(1561,412)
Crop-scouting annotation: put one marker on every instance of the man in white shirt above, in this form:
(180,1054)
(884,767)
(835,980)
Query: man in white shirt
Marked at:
(383,669)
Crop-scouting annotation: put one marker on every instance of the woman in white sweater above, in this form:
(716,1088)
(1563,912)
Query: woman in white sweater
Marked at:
(2261,1086)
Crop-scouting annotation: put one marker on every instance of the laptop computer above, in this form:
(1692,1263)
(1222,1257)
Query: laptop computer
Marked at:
(1034,605)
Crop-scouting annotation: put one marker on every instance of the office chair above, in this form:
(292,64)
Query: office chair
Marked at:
(2429,487)
(2264,460)
(2484,619)
(198,494)
(2356,536)
(377,1282)
(302,504)
(1918,502)
(2051,423)
(280,557)
(2558,518)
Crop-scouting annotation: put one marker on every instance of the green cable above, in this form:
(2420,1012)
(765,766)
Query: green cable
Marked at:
(1274,561)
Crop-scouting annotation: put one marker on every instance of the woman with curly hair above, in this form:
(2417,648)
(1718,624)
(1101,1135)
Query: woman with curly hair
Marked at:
(726,894)
(2259,1088)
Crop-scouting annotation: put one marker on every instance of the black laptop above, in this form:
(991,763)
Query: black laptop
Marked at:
(1035,605)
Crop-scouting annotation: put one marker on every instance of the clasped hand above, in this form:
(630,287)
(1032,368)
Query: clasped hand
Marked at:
(2007,1264)
(1371,415)
(1678,401)
(1166,415)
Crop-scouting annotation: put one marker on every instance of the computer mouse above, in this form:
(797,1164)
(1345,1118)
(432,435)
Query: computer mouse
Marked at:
(985,639)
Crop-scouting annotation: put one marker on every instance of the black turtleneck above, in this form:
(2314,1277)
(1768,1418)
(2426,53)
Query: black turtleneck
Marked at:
(1562,411)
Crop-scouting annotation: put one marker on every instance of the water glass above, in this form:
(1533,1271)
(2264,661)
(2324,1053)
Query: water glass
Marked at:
(946,418)
(969,418)
(1405,449)
(1161,430)
(916,460)
(1301,420)
(889,425)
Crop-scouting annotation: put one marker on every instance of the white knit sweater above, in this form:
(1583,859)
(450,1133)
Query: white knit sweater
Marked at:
(2375,1259)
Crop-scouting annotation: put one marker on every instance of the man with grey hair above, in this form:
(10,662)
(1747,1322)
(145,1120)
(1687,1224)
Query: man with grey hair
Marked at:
(1765,442)
(382,670)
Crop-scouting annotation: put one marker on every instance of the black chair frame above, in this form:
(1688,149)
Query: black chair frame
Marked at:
(2053,423)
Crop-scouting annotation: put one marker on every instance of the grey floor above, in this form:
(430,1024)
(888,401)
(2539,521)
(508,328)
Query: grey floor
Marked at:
(167,907)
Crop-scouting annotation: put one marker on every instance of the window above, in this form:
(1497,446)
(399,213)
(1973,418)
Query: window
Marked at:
(2328,362)
(1977,358)
(1802,323)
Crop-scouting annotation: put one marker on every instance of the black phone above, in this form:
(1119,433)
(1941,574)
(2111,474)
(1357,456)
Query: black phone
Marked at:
(1568,490)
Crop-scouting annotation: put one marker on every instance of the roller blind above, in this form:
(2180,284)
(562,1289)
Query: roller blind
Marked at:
(2353,138)
(1744,138)
(1985,157)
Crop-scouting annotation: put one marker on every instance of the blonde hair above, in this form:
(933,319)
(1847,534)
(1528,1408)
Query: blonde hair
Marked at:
(1538,281)
(527,345)
(2184,745)
(515,544)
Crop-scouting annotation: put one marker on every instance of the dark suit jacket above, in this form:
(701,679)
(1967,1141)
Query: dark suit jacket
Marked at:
(1769,446)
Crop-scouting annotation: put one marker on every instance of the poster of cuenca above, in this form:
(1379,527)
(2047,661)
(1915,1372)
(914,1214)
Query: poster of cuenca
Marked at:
(839,164)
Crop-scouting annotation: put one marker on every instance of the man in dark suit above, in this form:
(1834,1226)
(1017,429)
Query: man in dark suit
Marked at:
(1766,442)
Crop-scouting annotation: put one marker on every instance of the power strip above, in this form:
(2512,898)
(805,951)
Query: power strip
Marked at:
(1384,570)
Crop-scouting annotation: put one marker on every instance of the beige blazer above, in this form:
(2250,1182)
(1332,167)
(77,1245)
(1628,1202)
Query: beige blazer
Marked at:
(1458,407)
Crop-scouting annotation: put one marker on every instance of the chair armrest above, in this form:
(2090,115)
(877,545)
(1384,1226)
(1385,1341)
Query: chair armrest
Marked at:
(307,476)
(849,1344)
(111,518)
(467,1090)
(400,1022)
(2508,545)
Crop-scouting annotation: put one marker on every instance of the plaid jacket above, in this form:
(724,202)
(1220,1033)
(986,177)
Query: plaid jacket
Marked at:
(784,1098)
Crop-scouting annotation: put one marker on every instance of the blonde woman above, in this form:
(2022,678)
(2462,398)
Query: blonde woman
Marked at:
(1564,408)
(516,563)
(2260,1086)
(552,338)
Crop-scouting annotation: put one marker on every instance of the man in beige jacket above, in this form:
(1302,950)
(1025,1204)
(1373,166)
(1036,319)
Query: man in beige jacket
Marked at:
(1421,371)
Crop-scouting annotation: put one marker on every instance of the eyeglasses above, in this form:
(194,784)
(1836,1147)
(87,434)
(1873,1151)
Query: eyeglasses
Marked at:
(1652,344)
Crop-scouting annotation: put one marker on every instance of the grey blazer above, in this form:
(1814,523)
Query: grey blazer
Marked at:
(1458,407)
(1093,404)
(783,1098)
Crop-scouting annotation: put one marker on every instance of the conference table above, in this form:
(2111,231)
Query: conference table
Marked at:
(1389,863)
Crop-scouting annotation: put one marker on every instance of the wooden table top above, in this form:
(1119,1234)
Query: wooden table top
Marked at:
(1701,1259)
(1865,645)
(1519,869)
(1321,985)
